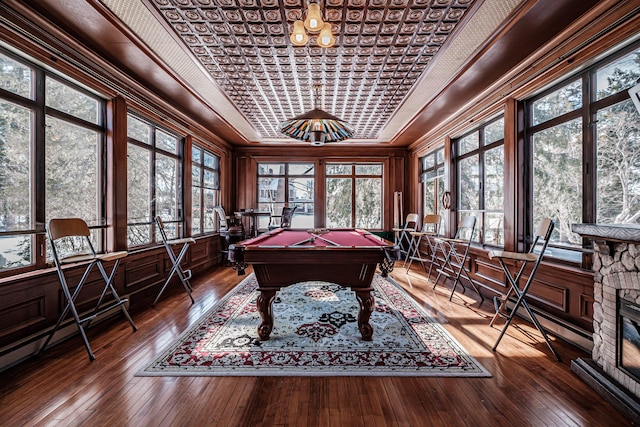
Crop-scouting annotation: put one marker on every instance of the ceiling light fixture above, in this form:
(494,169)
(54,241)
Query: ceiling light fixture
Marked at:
(317,126)
(313,24)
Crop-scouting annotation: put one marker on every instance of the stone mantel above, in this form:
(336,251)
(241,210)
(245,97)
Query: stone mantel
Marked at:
(609,232)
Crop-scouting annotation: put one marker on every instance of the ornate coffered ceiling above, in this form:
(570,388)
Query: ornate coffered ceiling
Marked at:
(389,60)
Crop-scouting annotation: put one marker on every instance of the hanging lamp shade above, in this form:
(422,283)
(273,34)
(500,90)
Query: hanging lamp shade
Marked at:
(317,126)
(314,21)
(299,36)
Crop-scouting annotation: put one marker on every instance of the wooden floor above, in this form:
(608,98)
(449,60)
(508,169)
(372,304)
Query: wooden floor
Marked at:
(528,387)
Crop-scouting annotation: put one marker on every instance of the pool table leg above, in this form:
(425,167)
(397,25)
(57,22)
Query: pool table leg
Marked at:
(367,303)
(263,302)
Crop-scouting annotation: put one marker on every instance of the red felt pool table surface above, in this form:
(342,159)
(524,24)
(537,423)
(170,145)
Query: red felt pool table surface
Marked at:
(347,237)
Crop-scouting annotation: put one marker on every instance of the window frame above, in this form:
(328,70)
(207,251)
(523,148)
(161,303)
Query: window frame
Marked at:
(217,197)
(40,111)
(178,223)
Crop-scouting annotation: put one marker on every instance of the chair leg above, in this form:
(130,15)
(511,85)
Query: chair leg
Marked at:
(521,301)
(182,275)
(119,301)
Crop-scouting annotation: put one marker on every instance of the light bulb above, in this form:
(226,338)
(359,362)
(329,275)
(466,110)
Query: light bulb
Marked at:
(326,39)
(314,21)
(299,36)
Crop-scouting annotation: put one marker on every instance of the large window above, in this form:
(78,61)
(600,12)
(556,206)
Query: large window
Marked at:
(480,179)
(205,190)
(432,178)
(287,184)
(51,159)
(354,195)
(584,126)
(154,173)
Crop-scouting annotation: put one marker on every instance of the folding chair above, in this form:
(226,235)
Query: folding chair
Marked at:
(430,229)
(401,235)
(71,243)
(453,265)
(183,275)
(541,235)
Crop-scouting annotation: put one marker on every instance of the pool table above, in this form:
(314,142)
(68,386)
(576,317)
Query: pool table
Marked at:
(283,257)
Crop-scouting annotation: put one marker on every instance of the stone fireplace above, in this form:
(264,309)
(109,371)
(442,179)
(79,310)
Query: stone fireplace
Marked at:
(614,370)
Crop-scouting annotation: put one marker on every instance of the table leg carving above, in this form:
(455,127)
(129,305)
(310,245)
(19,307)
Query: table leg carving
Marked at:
(367,303)
(263,302)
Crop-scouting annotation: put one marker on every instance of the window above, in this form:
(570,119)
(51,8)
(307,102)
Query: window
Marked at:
(52,142)
(205,190)
(154,173)
(584,126)
(299,181)
(354,195)
(480,185)
(432,178)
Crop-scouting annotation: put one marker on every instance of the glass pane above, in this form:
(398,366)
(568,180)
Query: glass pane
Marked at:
(211,161)
(195,176)
(494,179)
(339,206)
(196,211)
(15,251)
(15,77)
(429,196)
(304,215)
(210,200)
(301,169)
(72,172)
(270,168)
(138,234)
(618,76)
(71,101)
(440,184)
(469,179)
(15,167)
(494,132)
(618,164)
(271,194)
(166,142)
(440,157)
(369,169)
(167,189)
(301,190)
(138,185)
(339,169)
(494,229)
(196,155)
(428,162)
(209,179)
(557,179)
(562,101)
(468,143)
(138,130)
(369,203)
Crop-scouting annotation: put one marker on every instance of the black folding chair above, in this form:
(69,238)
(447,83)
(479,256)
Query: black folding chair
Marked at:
(183,275)
(71,243)
(541,236)
(283,220)
(453,264)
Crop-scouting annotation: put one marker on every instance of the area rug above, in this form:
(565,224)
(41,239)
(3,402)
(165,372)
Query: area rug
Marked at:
(315,334)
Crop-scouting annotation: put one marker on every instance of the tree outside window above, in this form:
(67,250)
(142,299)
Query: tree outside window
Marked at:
(354,195)
(205,190)
(432,178)
(66,155)
(154,177)
(580,127)
(480,180)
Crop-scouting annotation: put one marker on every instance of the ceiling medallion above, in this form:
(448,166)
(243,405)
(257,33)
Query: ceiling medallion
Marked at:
(313,24)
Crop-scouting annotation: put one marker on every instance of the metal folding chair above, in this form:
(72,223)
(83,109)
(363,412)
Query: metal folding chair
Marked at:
(183,275)
(430,229)
(453,264)
(541,236)
(71,243)
(402,237)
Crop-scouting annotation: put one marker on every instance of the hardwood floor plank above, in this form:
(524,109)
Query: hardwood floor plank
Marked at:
(527,388)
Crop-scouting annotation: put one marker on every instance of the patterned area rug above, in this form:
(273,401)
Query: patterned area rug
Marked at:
(315,334)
